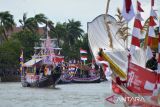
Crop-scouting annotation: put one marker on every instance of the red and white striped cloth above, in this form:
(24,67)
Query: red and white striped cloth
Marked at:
(151,33)
(83,58)
(128,11)
(136,33)
(83,51)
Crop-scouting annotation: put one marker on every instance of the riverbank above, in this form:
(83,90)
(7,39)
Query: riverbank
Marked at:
(12,78)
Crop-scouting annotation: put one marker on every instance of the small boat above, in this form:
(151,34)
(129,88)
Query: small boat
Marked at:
(85,74)
(76,73)
(43,69)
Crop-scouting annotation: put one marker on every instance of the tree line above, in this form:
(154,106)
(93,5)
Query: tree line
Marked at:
(70,38)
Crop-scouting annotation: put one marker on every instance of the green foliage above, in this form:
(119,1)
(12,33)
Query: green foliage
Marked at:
(69,34)
(6,24)
(27,40)
(71,38)
(32,23)
(9,54)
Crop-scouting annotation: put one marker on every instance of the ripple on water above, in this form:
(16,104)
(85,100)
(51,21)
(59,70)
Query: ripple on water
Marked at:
(70,95)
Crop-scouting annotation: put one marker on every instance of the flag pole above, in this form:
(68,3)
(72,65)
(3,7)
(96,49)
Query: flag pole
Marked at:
(107,8)
(127,37)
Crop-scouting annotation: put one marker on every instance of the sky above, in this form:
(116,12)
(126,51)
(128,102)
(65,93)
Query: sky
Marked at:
(62,10)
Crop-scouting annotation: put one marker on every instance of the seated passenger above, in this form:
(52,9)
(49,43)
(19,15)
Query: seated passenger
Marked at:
(152,63)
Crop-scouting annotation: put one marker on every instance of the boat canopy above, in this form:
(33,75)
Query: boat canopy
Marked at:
(32,62)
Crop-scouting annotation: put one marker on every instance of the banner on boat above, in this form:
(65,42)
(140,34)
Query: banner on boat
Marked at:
(141,80)
(58,59)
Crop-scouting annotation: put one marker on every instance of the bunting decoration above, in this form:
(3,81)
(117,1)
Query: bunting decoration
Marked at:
(139,7)
(151,32)
(128,11)
(136,33)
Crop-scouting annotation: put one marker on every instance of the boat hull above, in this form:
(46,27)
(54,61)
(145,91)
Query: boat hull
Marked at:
(45,81)
(95,79)
(64,80)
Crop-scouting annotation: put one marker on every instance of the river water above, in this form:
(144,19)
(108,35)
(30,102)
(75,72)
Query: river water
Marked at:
(67,95)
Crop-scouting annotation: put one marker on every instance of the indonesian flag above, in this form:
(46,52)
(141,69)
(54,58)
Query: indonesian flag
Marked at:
(83,58)
(83,51)
(128,11)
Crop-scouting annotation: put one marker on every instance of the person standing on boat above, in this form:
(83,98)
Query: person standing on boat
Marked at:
(152,63)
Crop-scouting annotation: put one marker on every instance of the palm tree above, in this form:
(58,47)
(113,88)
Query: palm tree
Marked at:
(6,23)
(40,18)
(28,23)
(73,31)
(59,32)
(32,23)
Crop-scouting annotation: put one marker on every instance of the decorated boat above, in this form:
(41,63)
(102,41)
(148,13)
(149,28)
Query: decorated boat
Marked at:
(126,61)
(44,68)
(86,74)
(78,73)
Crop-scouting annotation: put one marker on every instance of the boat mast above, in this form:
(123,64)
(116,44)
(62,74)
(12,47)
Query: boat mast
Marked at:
(107,24)
(107,7)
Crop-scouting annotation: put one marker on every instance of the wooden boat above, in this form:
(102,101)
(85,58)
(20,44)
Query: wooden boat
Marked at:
(74,74)
(87,75)
(36,81)
(43,69)
(130,77)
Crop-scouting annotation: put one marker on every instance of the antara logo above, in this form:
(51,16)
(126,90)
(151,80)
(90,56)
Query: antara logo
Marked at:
(111,99)
(118,99)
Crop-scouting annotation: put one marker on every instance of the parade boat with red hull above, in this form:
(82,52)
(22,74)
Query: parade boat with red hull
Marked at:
(127,62)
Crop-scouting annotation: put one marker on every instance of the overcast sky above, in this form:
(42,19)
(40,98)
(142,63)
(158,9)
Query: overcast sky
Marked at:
(62,10)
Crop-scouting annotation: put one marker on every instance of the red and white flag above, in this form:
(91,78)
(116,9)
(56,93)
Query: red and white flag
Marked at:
(128,11)
(83,58)
(151,33)
(139,7)
(136,33)
(83,51)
